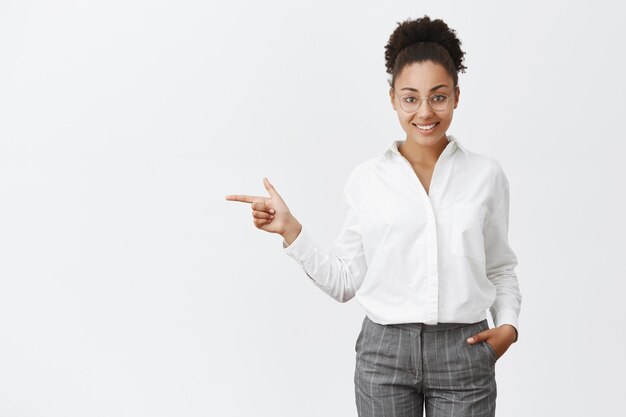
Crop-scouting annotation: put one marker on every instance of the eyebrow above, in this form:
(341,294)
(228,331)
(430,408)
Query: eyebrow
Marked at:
(415,90)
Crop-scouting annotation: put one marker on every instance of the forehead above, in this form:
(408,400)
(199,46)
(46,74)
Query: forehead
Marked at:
(423,76)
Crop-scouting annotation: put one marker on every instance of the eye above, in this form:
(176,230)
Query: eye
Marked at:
(438,97)
(409,99)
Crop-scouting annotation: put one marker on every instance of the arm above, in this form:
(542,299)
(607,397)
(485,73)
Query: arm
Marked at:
(338,271)
(501,260)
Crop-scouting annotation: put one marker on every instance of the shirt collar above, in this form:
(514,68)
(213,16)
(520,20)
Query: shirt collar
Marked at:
(455,142)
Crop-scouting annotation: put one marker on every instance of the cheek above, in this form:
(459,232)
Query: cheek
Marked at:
(403,118)
(446,118)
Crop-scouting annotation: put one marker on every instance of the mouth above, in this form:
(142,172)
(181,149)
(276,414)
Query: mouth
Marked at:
(426,128)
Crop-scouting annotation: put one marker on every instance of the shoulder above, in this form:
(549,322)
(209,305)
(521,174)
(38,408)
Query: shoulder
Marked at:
(487,165)
(364,169)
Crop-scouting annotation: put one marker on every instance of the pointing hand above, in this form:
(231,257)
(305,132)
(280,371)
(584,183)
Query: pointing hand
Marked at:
(269,213)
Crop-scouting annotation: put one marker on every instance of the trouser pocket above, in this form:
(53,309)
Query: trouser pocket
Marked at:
(359,338)
(484,325)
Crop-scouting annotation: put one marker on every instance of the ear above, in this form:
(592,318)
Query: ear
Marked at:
(457,94)
(391,96)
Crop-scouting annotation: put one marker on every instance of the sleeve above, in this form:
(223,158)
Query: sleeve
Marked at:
(501,260)
(340,270)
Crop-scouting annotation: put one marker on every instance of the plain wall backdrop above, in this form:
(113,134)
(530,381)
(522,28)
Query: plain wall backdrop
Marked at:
(130,287)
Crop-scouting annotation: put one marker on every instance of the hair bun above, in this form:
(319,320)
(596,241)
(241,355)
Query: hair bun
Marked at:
(420,31)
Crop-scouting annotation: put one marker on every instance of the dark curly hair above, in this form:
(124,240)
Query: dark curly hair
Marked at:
(423,40)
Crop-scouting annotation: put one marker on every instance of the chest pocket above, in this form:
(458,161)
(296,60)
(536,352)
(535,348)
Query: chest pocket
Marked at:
(467,238)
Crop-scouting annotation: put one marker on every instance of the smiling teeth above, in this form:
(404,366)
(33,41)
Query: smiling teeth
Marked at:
(426,127)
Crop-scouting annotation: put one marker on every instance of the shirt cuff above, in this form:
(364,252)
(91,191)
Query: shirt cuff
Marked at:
(302,248)
(508,316)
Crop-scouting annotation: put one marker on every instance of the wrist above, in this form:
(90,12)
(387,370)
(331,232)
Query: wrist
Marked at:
(291,232)
(512,330)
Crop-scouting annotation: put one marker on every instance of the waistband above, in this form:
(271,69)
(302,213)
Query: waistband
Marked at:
(429,327)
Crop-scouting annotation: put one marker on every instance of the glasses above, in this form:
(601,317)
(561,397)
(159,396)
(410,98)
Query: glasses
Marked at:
(410,103)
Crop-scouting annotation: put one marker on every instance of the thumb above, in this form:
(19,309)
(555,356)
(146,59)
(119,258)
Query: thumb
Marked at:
(270,189)
(477,337)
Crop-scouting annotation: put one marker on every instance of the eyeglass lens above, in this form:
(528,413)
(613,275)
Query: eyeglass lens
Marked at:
(437,102)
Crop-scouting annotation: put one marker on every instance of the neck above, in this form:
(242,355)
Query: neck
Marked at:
(422,155)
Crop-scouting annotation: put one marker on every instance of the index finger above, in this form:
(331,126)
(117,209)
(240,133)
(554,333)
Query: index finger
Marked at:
(240,197)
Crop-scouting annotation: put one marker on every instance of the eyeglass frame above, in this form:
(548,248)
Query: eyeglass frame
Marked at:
(427,100)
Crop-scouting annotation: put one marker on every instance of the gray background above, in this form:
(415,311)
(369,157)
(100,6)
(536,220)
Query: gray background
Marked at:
(130,287)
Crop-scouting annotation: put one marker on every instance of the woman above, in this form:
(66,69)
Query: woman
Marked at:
(424,247)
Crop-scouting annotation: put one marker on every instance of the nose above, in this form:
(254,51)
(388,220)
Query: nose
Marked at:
(424,112)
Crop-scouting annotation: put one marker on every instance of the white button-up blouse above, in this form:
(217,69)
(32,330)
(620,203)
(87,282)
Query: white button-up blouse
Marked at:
(412,256)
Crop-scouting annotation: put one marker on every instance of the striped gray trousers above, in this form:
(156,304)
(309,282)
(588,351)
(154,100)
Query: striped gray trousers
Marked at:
(400,368)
